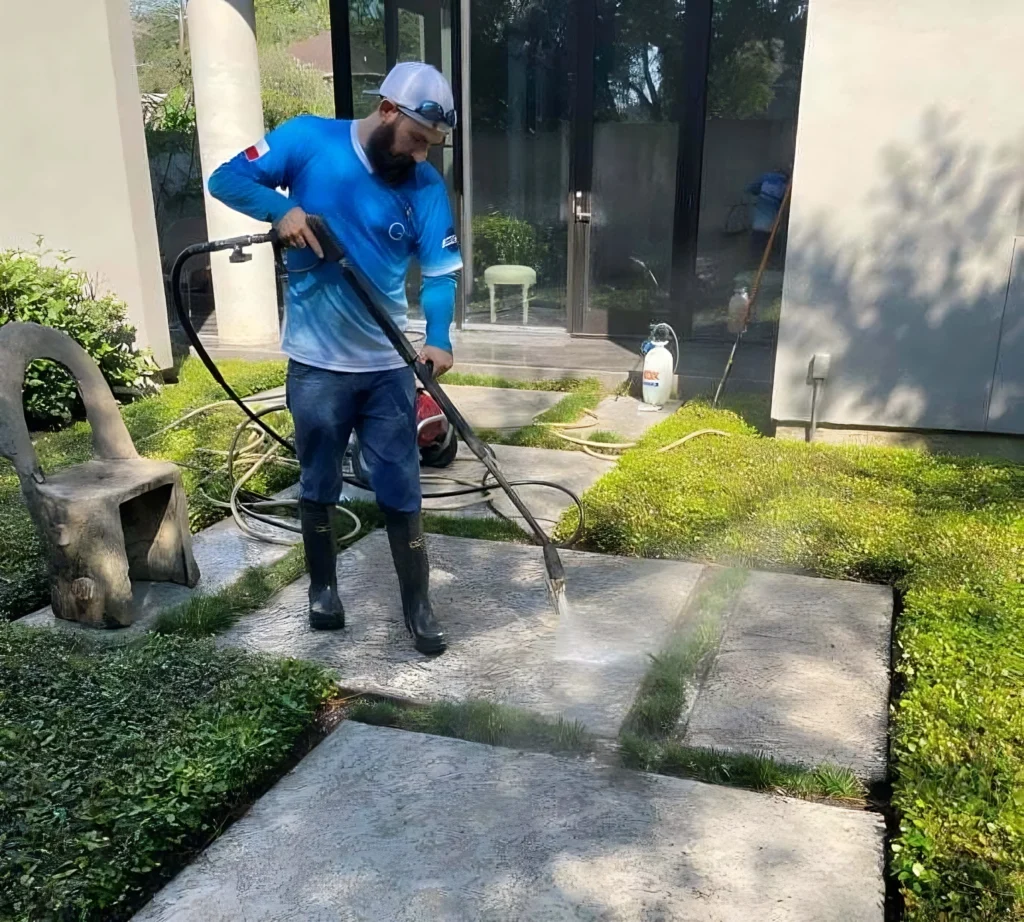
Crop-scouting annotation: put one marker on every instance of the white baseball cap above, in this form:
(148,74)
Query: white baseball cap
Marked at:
(422,92)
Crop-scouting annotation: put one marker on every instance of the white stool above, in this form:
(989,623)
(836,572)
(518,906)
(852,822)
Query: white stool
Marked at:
(510,275)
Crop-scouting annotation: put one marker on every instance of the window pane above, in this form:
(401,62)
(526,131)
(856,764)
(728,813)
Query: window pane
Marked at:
(637,76)
(520,160)
(753,90)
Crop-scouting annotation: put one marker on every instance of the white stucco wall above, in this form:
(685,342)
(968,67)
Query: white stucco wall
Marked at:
(73,164)
(906,203)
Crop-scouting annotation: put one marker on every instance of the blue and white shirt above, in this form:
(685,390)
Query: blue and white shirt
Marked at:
(381,227)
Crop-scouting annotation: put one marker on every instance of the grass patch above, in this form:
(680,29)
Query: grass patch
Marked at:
(753,772)
(662,695)
(24,585)
(948,533)
(120,764)
(585,396)
(567,385)
(204,615)
(479,722)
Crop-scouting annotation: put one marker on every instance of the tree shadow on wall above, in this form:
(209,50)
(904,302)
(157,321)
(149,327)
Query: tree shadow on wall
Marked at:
(912,307)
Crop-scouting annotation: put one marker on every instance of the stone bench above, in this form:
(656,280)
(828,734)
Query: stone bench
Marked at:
(103,523)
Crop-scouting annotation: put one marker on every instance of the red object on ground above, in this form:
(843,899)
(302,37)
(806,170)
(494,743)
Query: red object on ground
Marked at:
(426,407)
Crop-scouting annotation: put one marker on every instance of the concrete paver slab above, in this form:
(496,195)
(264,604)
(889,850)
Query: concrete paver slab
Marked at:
(572,469)
(222,551)
(380,825)
(505,642)
(802,674)
(630,417)
(483,407)
(500,407)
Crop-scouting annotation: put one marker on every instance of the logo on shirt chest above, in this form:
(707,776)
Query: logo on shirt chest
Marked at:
(396,231)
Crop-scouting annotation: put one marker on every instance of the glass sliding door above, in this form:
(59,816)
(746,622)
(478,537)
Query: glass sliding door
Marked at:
(519,151)
(627,202)
(753,89)
(417,30)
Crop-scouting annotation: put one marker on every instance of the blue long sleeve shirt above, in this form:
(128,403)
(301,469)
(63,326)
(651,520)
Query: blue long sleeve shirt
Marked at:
(381,227)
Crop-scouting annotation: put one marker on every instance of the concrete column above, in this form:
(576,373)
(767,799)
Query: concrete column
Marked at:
(73,163)
(229,116)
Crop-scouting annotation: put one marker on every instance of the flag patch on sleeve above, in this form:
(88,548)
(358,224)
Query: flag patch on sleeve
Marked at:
(450,241)
(257,150)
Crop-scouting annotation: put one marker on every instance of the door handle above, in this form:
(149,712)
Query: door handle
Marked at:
(580,216)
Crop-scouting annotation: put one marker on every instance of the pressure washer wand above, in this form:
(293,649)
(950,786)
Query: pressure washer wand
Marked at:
(483,451)
(333,253)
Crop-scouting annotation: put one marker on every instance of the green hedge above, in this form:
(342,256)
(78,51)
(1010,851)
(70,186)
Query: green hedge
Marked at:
(949,534)
(119,764)
(61,297)
(23,582)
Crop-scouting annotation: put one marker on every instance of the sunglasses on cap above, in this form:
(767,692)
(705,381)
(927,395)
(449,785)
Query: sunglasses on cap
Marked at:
(433,112)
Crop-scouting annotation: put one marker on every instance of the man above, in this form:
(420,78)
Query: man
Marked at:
(770,190)
(369,181)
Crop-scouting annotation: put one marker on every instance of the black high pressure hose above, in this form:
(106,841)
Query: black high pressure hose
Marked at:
(238,245)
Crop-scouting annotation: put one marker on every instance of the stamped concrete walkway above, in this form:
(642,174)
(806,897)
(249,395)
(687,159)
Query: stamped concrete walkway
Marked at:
(506,643)
(381,825)
(801,672)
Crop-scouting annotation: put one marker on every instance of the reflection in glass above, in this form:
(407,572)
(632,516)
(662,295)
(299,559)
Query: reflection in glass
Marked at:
(520,157)
(637,72)
(753,91)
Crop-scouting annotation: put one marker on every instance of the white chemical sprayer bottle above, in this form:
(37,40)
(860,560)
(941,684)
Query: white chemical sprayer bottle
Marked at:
(739,305)
(658,366)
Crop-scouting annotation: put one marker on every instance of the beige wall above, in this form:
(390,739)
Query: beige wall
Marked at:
(907,190)
(73,163)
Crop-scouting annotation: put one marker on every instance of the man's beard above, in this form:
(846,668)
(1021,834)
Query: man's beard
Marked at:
(394,169)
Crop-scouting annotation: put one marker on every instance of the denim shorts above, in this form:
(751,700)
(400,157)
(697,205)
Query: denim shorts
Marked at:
(381,407)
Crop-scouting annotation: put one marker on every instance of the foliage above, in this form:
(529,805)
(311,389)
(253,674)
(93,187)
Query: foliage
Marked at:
(479,722)
(662,695)
(160,52)
(23,587)
(757,772)
(60,297)
(175,115)
(524,384)
(291,88)
(948,533)
(119,764)
(743,86)
(500,239)
(282,22)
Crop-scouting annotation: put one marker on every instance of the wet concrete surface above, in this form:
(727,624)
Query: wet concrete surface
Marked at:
(506,643)
(379,825)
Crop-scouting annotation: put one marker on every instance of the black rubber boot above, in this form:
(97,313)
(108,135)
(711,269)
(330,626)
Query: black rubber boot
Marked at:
(319,532)
(408,548)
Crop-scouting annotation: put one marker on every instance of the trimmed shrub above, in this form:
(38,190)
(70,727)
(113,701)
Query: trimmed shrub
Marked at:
(500,239)
(60,297)
(120,763)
